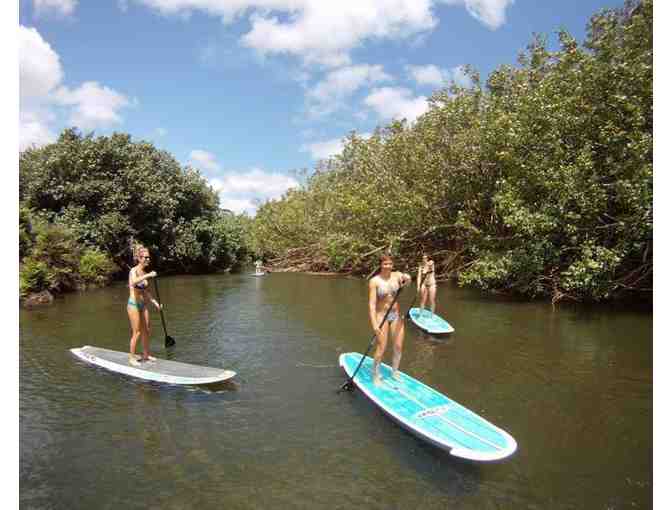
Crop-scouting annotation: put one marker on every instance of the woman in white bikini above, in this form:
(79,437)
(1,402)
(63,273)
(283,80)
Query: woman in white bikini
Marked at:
(138,314)
(382,291)
(427,287)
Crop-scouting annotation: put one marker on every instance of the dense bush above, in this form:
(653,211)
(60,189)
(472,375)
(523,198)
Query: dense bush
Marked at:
(94,197)
(111,190)
(96,268)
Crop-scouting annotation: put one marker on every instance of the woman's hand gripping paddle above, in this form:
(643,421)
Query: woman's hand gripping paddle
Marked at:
(170,341)
(348,385)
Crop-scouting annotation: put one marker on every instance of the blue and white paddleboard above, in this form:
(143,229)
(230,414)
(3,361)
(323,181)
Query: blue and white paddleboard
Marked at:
(430,415)
(429,322)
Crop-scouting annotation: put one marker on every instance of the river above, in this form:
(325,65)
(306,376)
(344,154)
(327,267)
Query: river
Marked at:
(574,386)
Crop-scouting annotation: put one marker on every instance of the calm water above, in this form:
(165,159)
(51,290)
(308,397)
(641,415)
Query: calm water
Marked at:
(573,386)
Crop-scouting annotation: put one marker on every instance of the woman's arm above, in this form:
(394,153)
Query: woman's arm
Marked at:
(154,301)
(373,316)
(137,279)
(403,278)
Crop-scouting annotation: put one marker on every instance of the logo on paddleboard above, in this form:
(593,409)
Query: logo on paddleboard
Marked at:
(433,411)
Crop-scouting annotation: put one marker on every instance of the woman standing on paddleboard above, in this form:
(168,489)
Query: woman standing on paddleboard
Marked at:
(382,291)
(138,314)
(427,287)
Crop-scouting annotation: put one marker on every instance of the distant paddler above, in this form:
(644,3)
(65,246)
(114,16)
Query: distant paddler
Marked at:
(139,295)
(427,283)
(383,289)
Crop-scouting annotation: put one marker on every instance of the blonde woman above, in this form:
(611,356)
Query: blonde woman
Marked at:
(382,291)
(139,295)
(427,287)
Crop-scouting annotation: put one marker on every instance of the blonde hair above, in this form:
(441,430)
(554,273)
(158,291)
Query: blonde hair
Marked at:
(138,249)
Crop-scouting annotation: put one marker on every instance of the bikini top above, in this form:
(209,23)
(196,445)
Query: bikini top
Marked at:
(140,285)
(427,268)
(386,287)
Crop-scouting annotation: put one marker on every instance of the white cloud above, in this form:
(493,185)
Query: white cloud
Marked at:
(396,103)
(90,105)
(34,130)
(323,150)
(271,185)
(94,105)
(40,72)
(328,95)
(327,148)
(324,31)
(240,191)
(238,206)
(204,160)
(318,31)
(491,13)
(436,76)
(40,68)
(428,75)
(62,7)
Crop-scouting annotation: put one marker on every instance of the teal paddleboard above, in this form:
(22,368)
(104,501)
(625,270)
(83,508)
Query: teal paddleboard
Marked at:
(430,415)
(429,322)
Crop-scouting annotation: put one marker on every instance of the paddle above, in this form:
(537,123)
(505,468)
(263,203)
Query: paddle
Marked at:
(170,341)
(347,385)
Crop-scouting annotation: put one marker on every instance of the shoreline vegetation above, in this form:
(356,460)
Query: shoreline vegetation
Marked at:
(536,183)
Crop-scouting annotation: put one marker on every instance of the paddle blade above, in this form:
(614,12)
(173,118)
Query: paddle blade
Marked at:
(346,386)
(170,341)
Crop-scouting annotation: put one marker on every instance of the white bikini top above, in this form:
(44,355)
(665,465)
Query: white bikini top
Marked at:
(386,287)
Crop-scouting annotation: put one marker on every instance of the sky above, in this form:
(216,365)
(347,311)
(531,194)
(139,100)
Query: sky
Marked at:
(252,92)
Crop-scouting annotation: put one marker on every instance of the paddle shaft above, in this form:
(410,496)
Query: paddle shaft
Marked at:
(170,341)
(348,383)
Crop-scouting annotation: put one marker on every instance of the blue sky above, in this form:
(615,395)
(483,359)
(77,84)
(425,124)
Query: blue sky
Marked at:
(249,91)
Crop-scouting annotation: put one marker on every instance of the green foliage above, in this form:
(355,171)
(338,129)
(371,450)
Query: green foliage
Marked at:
(26,236)
(109,190)
(96,268)
(33,277)
(53,263)
(541,180)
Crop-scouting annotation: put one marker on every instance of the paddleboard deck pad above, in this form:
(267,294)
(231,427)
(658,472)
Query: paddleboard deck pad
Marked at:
(429,322)
(430,415)
(160,370)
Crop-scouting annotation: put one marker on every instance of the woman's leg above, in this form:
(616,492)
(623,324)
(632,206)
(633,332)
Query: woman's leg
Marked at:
(134,319)
(381,344)
(398,330)
(144,331)
(423,296)
(432,298)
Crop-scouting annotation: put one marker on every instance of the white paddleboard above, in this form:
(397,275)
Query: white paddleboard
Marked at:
(160,370)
